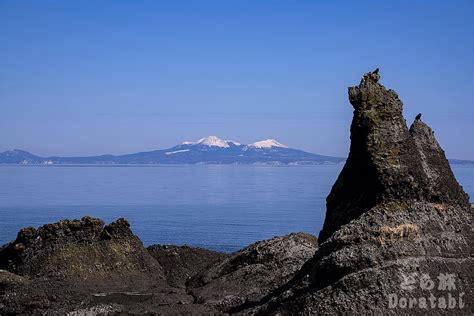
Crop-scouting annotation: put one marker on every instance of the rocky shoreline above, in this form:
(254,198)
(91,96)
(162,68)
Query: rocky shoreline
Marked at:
(396,239)
(79,266)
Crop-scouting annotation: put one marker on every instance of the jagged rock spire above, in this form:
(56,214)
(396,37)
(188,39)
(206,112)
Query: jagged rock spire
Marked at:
(442,185)
(395,210)
(387,161)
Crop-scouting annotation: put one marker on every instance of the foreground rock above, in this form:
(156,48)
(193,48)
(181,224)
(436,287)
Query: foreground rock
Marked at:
(79,267)
(80,250)
(397,232)
(180,263)
(78,264)
(253,272)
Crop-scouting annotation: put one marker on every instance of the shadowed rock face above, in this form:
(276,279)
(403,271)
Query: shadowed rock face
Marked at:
(442,186)
(253,272)
(180,263)
(395,212)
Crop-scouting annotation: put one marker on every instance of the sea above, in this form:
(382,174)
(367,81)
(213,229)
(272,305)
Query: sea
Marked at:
(219,207)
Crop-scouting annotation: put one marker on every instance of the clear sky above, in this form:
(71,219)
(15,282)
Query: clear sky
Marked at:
(94,77)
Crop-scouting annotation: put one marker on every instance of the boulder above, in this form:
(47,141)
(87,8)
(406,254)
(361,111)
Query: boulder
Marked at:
(83,250)
(253,272)
(81,264)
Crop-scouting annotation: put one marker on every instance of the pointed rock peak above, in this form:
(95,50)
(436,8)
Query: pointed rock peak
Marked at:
(211,141)
(422,132)
(370,94)
(395,209)
(268,143)
(371,77)
(442,184)
(386,162)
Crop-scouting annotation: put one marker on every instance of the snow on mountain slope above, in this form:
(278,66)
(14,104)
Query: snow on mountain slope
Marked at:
(268,143)
(214,141)
(211,141)
(176,152)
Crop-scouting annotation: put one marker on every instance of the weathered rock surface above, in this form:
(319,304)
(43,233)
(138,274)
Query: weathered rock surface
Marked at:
(85,267)
(180,263)
(253,272)
(395,216)
(79,249)
(387,162)
(77,264)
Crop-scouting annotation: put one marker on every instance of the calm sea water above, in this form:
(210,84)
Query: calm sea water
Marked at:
(217,207)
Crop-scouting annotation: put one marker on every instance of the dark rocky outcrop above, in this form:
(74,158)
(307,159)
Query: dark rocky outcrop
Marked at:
(253,272)
(74,264)
(395,213)
(180,263)
(79,249)
(442,185)
(86,267)
(387,162)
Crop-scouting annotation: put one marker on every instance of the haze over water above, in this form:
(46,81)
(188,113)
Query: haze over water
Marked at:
(221,207)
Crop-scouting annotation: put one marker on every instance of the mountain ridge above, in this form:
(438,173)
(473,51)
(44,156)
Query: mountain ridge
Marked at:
(207,150)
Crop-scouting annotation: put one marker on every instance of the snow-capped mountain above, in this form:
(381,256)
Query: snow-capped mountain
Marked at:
(267,143)
(207,150)
(211,141)
(214,141)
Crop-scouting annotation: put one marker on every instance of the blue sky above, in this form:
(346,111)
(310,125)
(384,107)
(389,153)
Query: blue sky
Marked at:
(92,77)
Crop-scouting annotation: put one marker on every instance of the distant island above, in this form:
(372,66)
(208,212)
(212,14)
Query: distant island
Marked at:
(208,150)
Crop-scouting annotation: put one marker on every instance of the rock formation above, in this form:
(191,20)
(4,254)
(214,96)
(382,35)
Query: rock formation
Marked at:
(397,222)
(181,263)
(77,263)
(78,249)
(86,267)
(387,162)
(253,272)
